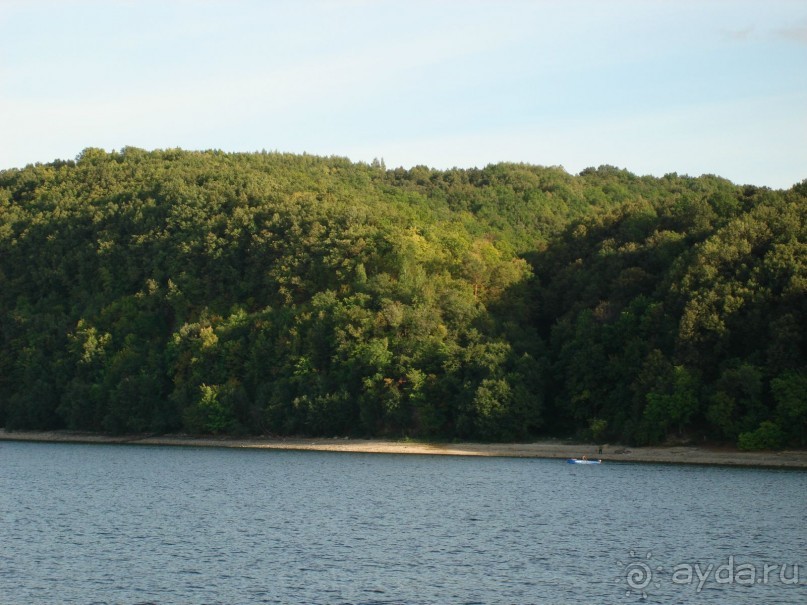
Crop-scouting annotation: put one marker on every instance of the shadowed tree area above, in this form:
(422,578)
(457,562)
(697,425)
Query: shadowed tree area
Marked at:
(272,293)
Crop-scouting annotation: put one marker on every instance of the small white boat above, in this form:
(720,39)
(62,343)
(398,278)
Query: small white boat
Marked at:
(583,461)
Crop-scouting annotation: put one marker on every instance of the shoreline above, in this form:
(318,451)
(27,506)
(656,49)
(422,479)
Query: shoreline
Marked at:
(793,459)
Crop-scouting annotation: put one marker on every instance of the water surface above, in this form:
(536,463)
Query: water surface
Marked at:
(150,524)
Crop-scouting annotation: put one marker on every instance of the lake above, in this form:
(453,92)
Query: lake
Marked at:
(179,525)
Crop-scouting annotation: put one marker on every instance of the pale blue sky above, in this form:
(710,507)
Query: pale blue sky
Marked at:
(654,86)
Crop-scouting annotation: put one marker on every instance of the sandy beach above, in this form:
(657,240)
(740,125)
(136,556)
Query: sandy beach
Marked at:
(545,449)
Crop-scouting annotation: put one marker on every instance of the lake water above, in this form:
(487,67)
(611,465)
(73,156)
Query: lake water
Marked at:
(138,524)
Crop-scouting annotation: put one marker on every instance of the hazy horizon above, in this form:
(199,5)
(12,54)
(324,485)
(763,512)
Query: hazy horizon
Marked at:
(653,87)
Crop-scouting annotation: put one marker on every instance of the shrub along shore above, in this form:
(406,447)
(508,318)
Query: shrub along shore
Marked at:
(795,459)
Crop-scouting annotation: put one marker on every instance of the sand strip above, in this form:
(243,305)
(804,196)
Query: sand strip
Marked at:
(547,449)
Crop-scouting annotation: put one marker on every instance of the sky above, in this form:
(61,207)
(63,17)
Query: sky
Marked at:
(653,86)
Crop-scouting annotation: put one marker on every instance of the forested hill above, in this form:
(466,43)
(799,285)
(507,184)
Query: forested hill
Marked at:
(272,293)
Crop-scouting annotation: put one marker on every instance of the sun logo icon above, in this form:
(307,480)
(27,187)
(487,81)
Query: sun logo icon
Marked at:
(638,574)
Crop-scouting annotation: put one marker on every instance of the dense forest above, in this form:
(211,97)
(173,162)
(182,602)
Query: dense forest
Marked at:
(270,293)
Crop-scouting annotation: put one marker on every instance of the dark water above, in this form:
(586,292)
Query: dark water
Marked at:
(136,524)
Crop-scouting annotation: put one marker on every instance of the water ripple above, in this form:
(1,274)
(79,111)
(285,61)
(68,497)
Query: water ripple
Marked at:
(129,525)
